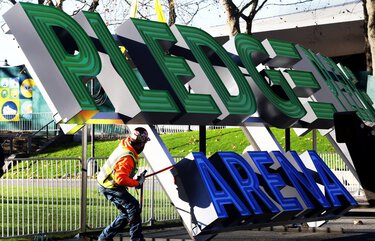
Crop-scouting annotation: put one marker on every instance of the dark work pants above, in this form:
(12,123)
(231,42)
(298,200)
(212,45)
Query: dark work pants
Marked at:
(129,213)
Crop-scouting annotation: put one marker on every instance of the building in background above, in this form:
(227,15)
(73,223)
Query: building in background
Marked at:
(335,31)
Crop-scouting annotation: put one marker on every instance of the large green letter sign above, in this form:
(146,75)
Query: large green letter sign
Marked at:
(124,89)
(182,75)
(74,67)
(53,64)
(203,46)
(190,78)
(175,69)
(279,111)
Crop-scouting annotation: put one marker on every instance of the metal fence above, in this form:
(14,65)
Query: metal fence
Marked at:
(341,171)
(156,205)
(44,196)
(36,122)
(40,196)
(168,129)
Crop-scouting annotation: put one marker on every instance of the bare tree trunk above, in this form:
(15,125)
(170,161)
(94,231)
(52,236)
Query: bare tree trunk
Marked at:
(367,44)
(370,40)
(232,13)
(251,16)
(249,26)
(59,4)
(172,13)
(94,5)
(50,3)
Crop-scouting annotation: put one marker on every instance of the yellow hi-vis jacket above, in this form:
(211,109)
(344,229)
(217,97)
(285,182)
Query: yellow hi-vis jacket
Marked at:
(120,167)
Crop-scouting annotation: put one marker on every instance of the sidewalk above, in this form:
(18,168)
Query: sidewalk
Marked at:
(357,225)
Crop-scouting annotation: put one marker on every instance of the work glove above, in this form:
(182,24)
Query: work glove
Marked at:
(141,179)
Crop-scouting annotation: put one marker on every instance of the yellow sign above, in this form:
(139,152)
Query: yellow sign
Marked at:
(158,9)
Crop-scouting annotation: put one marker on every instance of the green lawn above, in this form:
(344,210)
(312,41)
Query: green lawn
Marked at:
(181,144)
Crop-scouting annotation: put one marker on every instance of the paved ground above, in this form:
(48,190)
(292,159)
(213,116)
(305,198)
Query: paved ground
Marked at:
(357,225)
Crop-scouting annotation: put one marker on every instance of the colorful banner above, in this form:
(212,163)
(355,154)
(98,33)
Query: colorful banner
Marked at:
(16,88)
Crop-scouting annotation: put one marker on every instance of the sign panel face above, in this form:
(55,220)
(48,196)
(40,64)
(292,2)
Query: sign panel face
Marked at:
(181,75)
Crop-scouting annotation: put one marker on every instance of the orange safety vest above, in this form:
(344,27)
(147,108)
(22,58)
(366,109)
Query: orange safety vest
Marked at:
(106,176)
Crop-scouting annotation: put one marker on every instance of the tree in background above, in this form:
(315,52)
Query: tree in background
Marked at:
(235,13)
(178,11)
(246,12)
(115,12)
(369,33)
(172,12)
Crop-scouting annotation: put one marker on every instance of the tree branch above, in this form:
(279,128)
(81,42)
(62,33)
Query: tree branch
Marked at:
(260,7)
(93,6)
(50,3)
(288,4)
(59,4)
(172,12)
(245,7)
(233,15)
(80,9)
(193,14)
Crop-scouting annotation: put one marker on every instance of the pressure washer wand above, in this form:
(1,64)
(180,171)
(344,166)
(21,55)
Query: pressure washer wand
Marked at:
(149,175)
(162,170)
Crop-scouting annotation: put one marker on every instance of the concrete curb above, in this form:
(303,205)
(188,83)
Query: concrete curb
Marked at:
(342,226)
(275,229)
(163,239)
(301,229)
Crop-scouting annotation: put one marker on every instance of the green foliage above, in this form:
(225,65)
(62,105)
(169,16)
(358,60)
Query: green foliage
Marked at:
(303,143)
(233,139)
(74,149)
(181,144)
